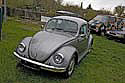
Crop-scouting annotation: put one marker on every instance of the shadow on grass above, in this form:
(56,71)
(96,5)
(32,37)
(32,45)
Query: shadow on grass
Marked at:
(116,39)
(40,73)
(122,41)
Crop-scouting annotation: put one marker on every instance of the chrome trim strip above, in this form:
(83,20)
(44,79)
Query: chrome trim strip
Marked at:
(42,66)
(23,44)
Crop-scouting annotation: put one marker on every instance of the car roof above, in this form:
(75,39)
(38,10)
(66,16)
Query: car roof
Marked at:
(67,13)
(79,21)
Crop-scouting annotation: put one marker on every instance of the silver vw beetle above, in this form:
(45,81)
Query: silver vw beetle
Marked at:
(64,41)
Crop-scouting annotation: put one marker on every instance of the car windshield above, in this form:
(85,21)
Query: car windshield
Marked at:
(62,25)
(101,18)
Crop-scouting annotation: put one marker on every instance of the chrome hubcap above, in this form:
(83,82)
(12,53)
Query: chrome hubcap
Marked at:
(71,67)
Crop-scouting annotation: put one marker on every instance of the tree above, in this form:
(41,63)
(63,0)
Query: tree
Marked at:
(81,5)
(18,3)
(1,20)
(119,10)
(59,2)
(104,12)
(90,14)
(89,7)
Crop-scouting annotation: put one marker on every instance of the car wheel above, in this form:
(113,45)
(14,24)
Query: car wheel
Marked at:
(102,33)
(90,47)
(19,65)
(123,39)
(70,68)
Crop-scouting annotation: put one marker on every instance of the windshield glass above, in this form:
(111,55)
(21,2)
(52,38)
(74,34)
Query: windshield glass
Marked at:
(62,25)
(101,18)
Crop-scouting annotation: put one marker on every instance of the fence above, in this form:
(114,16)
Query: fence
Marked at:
(25,13)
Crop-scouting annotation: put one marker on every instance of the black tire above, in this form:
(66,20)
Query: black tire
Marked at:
(70,68)
(124,39)
(19,64)
(90,47)
(102,33)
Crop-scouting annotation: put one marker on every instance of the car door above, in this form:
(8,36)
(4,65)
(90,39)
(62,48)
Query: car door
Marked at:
(83,39)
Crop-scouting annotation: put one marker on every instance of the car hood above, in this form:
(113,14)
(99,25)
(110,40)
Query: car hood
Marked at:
(43,44)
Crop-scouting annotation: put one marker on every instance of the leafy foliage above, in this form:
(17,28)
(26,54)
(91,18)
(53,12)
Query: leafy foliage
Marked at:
(50,6)
(119,10)
(18,3)
(90,14)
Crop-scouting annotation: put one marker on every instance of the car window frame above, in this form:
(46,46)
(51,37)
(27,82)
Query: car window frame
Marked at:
(81,28)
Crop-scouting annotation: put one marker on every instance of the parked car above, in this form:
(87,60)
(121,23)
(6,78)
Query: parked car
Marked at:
(101,23)
(64,41)
(119,32)
(123,23)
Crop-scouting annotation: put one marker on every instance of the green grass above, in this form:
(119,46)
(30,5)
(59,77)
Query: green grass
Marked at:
(106,63)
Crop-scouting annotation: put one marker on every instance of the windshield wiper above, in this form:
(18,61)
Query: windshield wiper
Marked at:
(70,31)
(59,29)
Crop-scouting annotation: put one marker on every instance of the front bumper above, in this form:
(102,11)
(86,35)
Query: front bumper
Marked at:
(121,36)
(41,65)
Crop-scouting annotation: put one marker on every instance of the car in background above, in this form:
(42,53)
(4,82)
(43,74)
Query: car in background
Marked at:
(62,44)
(123,23)
(119,34)
(101,23)
(119,31)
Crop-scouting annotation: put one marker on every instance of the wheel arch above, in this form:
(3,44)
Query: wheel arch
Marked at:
(76,57)
(69,52)
(91,40)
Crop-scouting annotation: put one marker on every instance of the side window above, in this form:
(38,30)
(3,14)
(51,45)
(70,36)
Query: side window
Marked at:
(83,29)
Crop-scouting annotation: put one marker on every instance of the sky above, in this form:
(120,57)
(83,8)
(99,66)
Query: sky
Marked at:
(97,4)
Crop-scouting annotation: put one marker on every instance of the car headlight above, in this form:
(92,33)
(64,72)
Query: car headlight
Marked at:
(21,47)
(58,58)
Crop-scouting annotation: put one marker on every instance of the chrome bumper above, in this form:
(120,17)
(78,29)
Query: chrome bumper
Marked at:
(42,66)
(115,35)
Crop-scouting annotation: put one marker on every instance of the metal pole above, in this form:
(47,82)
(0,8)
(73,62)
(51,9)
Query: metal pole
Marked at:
(5,10)
(0,23)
